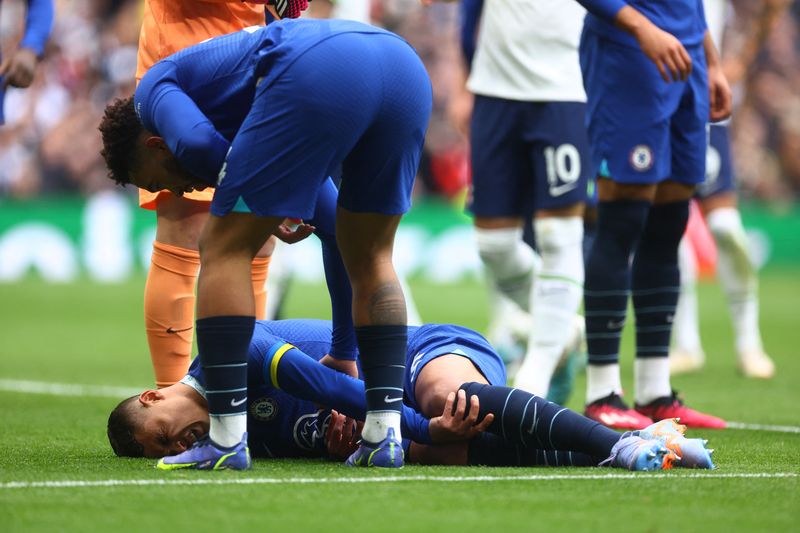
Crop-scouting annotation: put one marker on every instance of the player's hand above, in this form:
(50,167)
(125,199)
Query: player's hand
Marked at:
(453,425)
(341,439)
(290,9)
(663,49)
(720,97)
(341,365)
(291,236)
(666,51)
(19,68)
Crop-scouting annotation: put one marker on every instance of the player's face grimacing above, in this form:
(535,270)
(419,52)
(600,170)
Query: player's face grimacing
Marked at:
(169,423)
(157,169)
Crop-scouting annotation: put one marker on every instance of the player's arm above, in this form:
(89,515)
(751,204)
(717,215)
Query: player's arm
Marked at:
(164,108)
(470,16)
(720,99)
(663,49)
(19,67)
(295,373)
(461,101)
(343,341)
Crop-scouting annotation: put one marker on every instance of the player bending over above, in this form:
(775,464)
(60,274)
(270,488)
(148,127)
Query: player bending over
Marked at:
(286,384)
(266,115)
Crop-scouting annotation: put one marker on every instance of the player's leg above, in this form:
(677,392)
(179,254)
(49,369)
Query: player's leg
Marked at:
(559,154)
(656,278)
(622,211)
(377,178)
(532,422)
(555,298)
(225,322)
(656,286)
(379,314)
(488,449)
(739,280)
(735,267)
(628,106)
(169,295)
(444,354)
(501,193)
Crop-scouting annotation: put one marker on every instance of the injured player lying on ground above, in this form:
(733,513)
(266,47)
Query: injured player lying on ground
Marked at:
(456,410)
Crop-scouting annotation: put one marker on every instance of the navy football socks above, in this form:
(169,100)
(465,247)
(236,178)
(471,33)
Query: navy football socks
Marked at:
(223,343)
(488,449)
(382,352)
(522,418)
(607,284)
(656,278)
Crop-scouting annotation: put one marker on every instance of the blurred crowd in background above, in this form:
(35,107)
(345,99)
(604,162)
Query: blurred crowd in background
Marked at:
(50,144)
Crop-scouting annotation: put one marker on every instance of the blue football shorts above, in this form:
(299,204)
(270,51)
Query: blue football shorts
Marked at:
(357,101)
(435,340)
(527,156)
(643,130)
(719,164)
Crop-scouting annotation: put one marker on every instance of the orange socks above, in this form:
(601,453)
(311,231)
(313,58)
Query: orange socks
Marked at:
(259,272)
(169,302)
(169,298)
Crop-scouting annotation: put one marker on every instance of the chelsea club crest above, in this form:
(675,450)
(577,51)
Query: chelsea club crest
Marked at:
(264,409)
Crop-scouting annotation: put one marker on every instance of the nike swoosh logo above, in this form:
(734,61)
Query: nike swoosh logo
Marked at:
(390,400)
(170,330)
(562,189)
(234,403)
(615,325)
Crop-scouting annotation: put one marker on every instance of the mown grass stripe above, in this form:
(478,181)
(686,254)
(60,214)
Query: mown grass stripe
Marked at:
(763,427)
(66,389)
(385,479)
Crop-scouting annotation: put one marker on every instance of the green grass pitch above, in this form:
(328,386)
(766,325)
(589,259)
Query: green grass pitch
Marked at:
(92,334)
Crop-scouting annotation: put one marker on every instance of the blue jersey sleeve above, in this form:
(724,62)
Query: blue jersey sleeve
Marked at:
(166,110)
(470,15)
(605,9)
(294,372)
(38,23)
(343,341)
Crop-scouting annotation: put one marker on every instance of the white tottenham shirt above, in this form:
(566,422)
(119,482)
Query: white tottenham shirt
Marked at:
(528,50)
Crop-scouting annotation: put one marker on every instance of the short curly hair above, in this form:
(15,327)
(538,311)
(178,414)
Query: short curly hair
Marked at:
(120,128)
(122,425)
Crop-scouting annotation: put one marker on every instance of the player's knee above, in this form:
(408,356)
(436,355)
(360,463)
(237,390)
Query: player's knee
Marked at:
(497,243)
(666,224)
(503,251)
(623,221)
(725,225)
(433,398)
(560,241)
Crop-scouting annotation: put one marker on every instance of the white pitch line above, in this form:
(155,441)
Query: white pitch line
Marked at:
(66,389)
(387,479)
(763,427)
(108,391)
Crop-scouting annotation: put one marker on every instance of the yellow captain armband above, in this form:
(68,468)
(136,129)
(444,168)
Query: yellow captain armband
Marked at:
(273,364)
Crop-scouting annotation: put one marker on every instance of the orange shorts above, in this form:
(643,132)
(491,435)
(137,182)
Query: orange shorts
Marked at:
(149,200)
